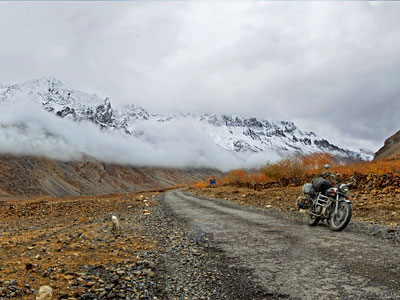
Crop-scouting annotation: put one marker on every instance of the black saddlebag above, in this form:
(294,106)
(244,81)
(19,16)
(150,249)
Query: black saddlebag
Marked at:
(320,185)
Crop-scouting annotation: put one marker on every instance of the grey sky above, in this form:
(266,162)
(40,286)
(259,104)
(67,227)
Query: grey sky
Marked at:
(331,67)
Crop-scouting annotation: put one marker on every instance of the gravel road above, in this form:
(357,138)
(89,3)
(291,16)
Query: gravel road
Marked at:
(290,260)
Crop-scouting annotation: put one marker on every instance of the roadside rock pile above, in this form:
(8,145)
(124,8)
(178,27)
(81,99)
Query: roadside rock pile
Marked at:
(384,184)
(128,279)
(388,183)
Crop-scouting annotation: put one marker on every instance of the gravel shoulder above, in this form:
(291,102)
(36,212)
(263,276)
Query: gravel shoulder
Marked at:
(190,266)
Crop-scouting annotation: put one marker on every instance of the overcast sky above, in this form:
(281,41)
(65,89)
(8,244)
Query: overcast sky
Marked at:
(331,67)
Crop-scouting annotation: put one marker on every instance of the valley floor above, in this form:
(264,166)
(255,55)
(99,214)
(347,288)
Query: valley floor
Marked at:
(168,249)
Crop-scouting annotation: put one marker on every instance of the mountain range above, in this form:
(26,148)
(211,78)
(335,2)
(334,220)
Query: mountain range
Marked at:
(228,132)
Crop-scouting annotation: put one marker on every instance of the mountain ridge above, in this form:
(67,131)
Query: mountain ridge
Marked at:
(229,132)
(390,148)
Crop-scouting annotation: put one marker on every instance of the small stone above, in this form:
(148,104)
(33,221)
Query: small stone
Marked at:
(68,277)
(109,287)
(45,293)
(90,284)
(13,282)
(151,274)
(86,296)
(12,288)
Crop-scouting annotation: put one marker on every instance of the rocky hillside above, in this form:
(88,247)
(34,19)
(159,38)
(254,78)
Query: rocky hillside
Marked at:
(391,147)
(41,176)
(229,133)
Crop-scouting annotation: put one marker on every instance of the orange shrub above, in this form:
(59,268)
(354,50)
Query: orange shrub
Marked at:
(240,177)
(235,177)
(178,186)
(291,167)
(313,163)
(198,185)
(372,167)
(292,170)
(256,178)
(263,178)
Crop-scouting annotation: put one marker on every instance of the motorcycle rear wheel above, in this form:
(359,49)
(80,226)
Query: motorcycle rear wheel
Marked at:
(339,221)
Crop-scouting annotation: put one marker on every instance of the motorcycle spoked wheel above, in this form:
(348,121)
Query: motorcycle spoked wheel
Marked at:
(313,220)
(341,220)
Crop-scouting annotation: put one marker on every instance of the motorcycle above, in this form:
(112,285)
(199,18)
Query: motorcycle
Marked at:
(322,201)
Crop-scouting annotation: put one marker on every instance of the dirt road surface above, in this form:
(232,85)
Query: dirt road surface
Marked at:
(294,260)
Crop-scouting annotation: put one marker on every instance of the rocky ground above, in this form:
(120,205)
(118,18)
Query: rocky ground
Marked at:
(70,245)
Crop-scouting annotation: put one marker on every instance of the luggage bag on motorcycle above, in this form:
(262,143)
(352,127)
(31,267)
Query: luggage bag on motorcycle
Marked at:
(320,185)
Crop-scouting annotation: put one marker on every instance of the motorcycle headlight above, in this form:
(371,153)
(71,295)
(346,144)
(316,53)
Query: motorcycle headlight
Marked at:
(344,188)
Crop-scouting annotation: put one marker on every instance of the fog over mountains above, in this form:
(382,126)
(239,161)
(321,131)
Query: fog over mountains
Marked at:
(45,117)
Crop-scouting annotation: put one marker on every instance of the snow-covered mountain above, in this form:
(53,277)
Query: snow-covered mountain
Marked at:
(233,133)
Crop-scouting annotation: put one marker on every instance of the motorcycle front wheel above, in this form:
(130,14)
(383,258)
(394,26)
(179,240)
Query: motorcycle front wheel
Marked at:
(339,221)
(313,220)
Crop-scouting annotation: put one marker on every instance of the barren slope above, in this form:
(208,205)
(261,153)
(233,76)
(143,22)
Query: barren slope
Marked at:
(391,147)
(41,176)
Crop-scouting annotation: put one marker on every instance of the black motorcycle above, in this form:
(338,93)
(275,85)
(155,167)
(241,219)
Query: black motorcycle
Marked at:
(322,201)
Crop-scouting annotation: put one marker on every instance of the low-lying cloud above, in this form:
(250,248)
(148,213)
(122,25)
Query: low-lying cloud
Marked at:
(26,129)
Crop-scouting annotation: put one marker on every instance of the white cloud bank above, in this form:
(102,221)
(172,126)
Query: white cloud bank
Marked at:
(26,129)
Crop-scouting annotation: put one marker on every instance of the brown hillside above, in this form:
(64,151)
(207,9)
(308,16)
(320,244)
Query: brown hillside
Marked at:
(41,176)
(391,147)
